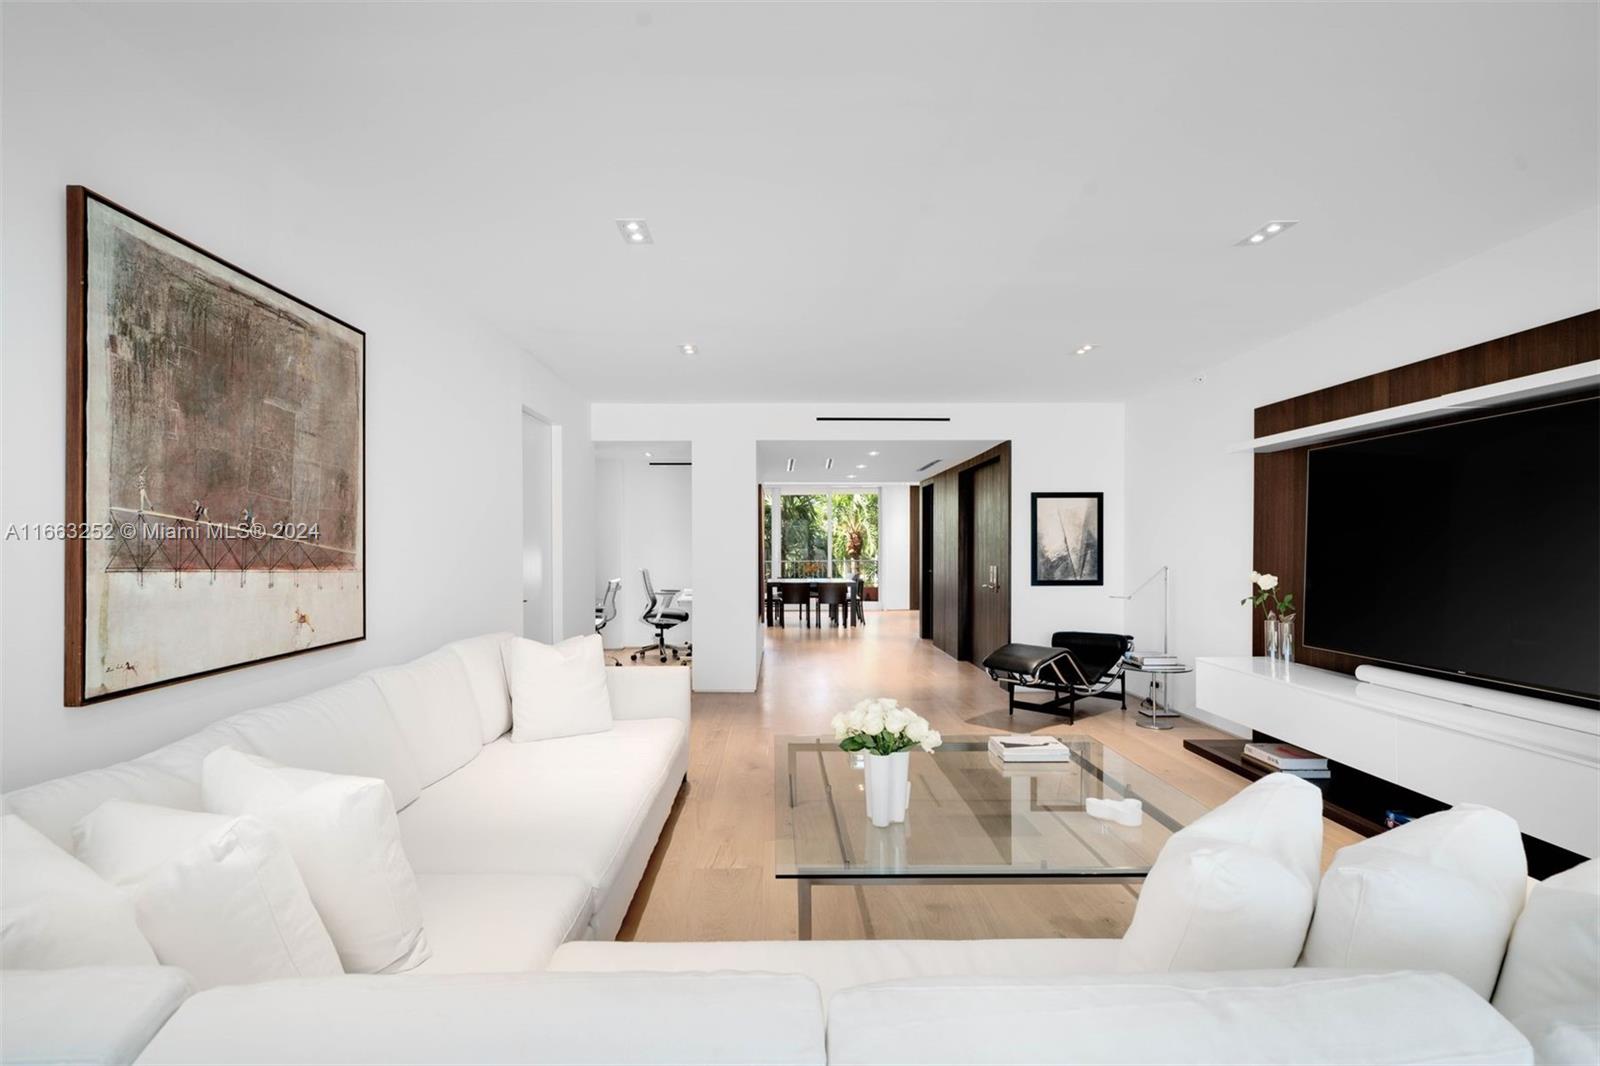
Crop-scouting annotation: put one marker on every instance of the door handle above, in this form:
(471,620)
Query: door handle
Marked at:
(994,578)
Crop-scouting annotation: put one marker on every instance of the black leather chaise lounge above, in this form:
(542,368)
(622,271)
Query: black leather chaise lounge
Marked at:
(1074,667)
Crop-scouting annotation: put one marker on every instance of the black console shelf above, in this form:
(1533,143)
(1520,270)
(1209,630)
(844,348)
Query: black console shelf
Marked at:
(1360,802)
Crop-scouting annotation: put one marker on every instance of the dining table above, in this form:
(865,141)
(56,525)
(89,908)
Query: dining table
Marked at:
(790,582)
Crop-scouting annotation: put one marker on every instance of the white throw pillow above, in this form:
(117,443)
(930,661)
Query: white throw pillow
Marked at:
(345,839)
(1440,893)
(557,691)
(1233,890)
(56,913)
(217,896)
(1550,983)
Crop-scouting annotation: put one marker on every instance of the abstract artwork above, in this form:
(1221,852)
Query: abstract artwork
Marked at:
(1068,531)
(216,482)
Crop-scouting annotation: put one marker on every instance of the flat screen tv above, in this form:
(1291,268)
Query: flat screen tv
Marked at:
(1469,550)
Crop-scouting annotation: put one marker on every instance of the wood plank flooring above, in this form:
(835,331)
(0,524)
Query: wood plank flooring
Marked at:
(711,876)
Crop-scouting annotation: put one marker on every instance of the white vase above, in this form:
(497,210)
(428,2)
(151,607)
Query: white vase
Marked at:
(888,787)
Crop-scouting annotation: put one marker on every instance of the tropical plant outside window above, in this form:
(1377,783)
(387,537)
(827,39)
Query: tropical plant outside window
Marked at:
(824,534)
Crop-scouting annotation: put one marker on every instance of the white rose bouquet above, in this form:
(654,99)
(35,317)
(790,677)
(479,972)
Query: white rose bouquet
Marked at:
(883,727)
(1264,589)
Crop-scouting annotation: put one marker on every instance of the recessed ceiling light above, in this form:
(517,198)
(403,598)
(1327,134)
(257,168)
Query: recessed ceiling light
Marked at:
(790,466)
(1084,349)
(687,349)
(872,453)
(649,455)
(1268,231)
(852,477)
(634,231)
(861,466)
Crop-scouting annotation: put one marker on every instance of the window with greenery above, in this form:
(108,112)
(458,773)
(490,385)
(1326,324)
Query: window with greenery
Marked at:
(825,534)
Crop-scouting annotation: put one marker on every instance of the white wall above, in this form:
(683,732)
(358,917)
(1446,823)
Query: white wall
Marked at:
(573,521)
(608,538)
(642,523)
(894,548)
(1191,498)
(444,399)
(1061,447)
(538,529)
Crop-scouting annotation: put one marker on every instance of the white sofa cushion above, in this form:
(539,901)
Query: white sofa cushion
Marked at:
(500,923)
(486,670)
(505,1018)
(1550,984)
(1276,1016)
(433,704)
(639,693)
(217,896)
(570,806)
(557,690)
(56,912)
(1234,889)
(93,1014)
(1439,893)
(166,777)
(839,964)
(345,839)
(345,729)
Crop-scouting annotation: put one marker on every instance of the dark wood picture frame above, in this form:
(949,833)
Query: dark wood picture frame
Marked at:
(1099,499)
(75,545)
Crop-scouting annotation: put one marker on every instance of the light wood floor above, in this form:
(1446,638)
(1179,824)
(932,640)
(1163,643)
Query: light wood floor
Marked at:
(711,876)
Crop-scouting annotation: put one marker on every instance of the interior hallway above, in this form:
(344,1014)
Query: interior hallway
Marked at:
(711,876)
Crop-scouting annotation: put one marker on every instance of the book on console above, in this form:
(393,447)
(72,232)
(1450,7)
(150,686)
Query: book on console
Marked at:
(1029,749)
(1279,756)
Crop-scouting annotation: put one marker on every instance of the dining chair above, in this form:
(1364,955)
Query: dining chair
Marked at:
(835,595)
(858,600)
(774,603)
(796,594)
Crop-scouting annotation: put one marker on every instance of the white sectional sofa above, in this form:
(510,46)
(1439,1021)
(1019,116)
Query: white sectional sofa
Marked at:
(517,847)
(528,854)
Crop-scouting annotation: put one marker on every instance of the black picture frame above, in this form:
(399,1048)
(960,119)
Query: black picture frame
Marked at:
(1090,568)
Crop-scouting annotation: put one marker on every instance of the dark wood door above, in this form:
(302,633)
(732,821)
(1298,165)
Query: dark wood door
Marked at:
(915,574)
(991,559)
(947,558)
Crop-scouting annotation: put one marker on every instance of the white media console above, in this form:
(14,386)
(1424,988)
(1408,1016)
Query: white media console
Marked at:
(1538,761)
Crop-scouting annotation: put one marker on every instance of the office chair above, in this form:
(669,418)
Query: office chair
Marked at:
(660,613)
(606,610)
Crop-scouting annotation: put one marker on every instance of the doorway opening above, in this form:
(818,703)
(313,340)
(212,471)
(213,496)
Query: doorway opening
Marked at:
(540,484)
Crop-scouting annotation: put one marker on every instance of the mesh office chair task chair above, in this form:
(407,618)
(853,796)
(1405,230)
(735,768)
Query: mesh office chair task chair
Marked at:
(660,613)
(606,610)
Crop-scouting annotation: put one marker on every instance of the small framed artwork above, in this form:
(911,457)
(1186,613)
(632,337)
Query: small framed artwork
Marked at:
(216,463)
(1068,532)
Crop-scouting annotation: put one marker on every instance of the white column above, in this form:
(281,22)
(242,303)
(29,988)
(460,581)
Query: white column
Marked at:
(727,629)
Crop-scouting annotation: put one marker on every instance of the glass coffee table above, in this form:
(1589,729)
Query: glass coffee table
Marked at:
(972,819)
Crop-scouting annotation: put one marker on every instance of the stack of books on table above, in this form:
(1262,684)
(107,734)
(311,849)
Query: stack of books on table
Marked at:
(1029,749)
(1288,759)
(1151,661)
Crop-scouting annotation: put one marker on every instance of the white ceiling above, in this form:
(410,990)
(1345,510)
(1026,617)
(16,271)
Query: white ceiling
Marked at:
(661,451)
(896,461)
(916,201)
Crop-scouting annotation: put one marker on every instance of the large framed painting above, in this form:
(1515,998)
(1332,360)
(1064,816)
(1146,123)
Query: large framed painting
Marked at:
(216,462)
(1068,534)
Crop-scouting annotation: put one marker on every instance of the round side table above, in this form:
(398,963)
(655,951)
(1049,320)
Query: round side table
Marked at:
(1152,719)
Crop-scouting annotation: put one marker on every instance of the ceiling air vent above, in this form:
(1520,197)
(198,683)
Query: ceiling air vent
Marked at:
(928,464)
(883,418)
(671,462)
